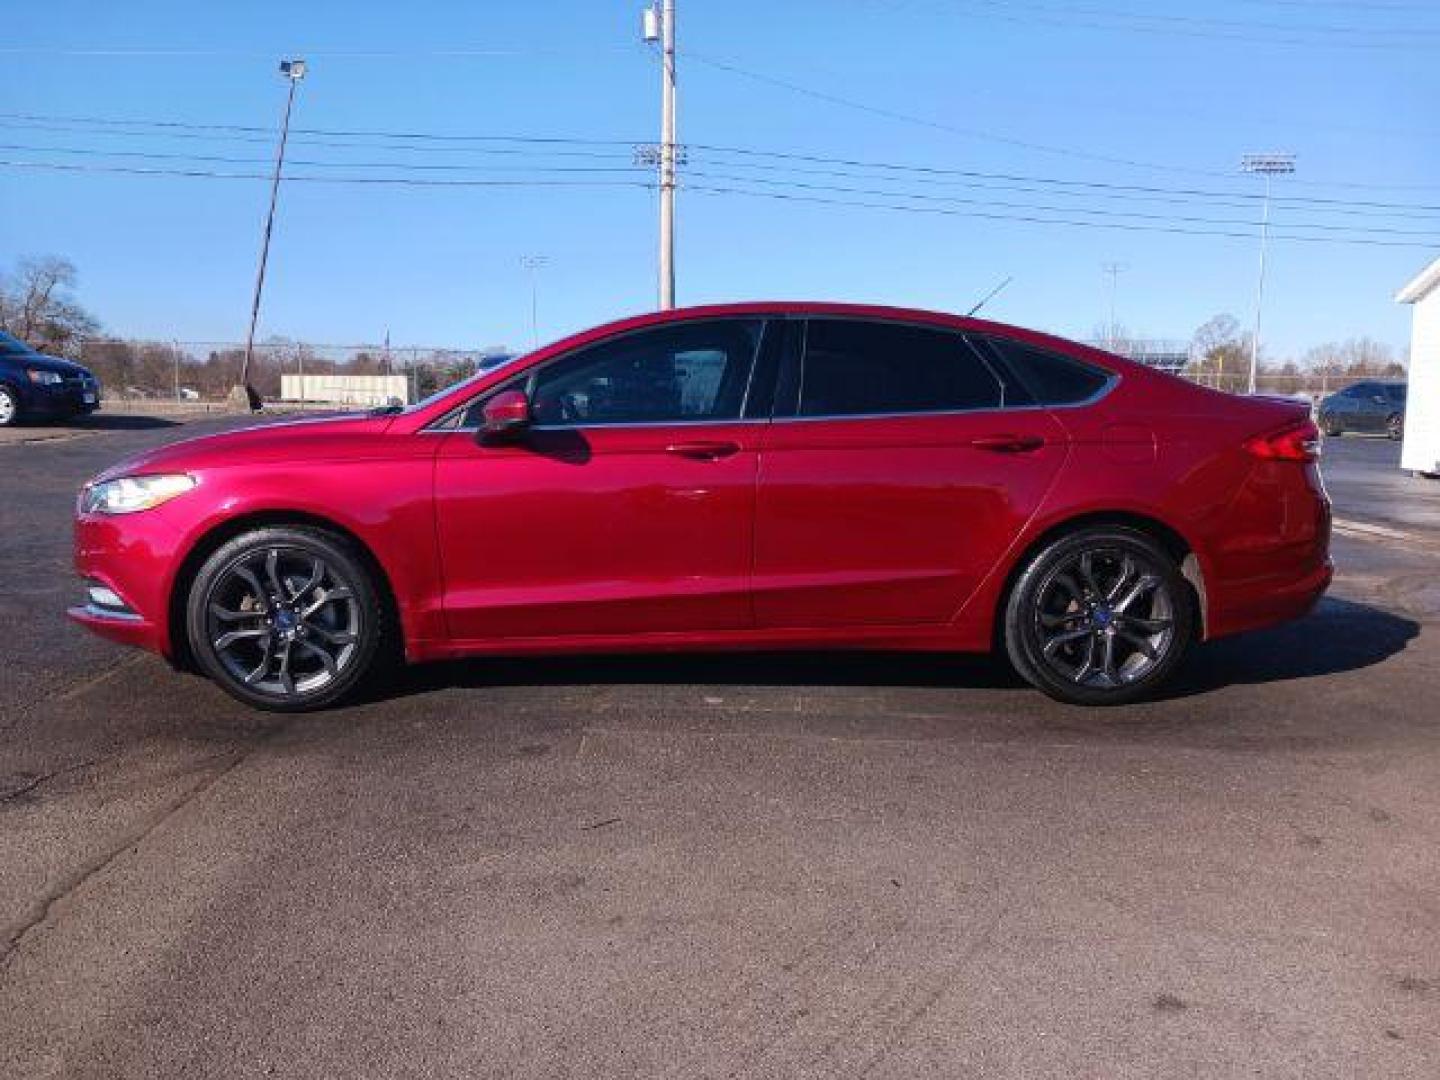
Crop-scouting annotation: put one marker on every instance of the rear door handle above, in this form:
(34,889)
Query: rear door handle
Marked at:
(703,451)
(1008,444)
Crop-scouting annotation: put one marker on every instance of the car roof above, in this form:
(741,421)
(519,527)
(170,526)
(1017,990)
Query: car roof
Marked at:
(795,309)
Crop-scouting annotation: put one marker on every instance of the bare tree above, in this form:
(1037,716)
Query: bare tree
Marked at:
(1355,358)
(1219,347)
(37,304)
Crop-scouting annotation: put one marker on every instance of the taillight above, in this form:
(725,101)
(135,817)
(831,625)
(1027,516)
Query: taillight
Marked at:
(1299,441)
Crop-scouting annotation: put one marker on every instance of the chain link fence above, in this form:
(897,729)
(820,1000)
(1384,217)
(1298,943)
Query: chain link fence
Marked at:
(202,373)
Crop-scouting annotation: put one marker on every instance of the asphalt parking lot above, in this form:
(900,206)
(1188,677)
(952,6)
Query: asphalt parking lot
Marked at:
(750,866)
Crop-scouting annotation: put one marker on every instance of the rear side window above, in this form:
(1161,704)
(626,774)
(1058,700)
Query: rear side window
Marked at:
(1050,377)
(856,368)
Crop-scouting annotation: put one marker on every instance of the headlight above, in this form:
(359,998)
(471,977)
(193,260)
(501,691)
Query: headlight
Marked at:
(132,493)
(45,378)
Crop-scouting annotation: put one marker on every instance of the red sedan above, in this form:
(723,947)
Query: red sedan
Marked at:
(755,476)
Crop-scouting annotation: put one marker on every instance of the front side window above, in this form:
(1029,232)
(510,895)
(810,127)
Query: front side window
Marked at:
(670,374)
(857,368)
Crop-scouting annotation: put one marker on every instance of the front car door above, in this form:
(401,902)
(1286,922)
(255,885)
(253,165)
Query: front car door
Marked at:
(627,508)
(894,476)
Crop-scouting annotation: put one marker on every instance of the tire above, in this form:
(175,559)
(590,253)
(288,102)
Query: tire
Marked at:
(328,632)
(1395,426)
(1330,427)
(1078,589)
(9,407)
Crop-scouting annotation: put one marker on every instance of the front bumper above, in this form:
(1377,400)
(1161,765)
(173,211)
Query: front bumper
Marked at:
(132,555)
(67,399)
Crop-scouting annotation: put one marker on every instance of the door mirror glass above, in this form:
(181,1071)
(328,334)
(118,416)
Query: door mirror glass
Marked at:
(505,415)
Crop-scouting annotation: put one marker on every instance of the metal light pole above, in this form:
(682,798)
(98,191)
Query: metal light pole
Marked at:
(533,263)
(660,24)
(294,71)
(1268,166)
(1114,269)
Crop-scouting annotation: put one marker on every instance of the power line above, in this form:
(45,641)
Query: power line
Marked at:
(400,181)
(937,125)
(708,189)
(949,212)
(1136,214)
(1126,23)
(487,143)
(215,159)
(450,167)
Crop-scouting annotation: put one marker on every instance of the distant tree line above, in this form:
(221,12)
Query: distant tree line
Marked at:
(38,305)
(1221,349)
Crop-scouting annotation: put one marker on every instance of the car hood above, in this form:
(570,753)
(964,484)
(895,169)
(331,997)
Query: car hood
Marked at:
(41,362)
(309,440)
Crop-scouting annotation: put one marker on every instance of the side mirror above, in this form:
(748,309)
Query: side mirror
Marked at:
(505,415)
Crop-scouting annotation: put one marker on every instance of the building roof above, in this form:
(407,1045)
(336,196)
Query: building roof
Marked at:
(1421,286)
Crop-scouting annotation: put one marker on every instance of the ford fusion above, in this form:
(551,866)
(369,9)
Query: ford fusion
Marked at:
(757,476)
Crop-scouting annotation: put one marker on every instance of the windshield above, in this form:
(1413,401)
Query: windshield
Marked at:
(485,367)
(13,346)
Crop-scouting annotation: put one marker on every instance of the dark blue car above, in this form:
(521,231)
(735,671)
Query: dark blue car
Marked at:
(35,386)
(1375,407)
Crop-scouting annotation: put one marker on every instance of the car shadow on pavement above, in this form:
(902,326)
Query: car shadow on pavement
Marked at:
(116,422)
(1339,636)
(797,669)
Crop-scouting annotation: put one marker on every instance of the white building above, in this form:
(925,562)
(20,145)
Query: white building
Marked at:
(1421,449)
(345,389)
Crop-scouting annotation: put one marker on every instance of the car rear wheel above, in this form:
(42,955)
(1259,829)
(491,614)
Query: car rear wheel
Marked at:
(286,619)
(9,407)
(1395,426)
(1331,427)
(1099,617)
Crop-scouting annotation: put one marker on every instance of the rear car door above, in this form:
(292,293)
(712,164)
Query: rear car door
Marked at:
(894,476)
(628,507)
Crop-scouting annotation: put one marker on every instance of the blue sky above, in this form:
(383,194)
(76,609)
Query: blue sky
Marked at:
(1037,90)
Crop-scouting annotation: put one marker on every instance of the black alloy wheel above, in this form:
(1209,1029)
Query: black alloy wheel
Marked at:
(1099,617)
(286,619)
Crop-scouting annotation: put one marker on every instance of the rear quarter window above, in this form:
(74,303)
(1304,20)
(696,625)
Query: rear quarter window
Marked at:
(1049,378)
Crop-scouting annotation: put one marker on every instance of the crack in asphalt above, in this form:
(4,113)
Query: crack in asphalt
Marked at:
(69,690)
(45,905)
(44,778)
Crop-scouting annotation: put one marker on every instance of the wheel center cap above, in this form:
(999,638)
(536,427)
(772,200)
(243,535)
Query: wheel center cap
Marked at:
(285,620)
(1103,616)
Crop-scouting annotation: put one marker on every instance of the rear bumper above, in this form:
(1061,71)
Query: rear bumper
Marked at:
(1273,562)
(1268,601)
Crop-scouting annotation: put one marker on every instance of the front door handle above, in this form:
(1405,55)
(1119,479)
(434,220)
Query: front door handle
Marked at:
(1008,444)
(703,451)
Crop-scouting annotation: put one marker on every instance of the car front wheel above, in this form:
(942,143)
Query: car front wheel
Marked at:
(1099,617)
(9,407)
(286,619)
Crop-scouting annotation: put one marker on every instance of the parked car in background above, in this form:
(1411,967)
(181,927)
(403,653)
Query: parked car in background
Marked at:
(1375,407)
(747,476)
(35,386)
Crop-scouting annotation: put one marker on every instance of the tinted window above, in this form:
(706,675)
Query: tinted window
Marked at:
(1049,377)
(855,368)
(693,371)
